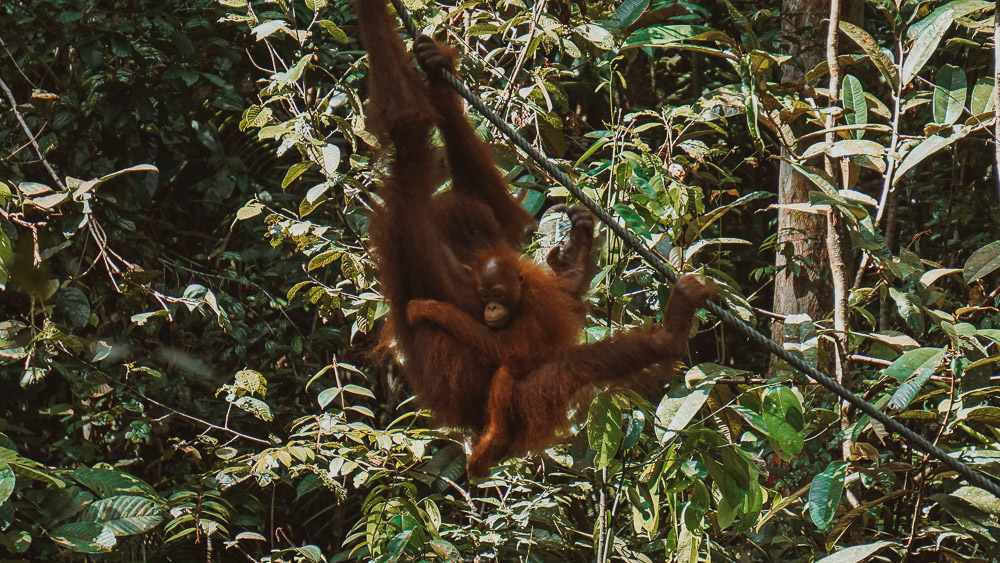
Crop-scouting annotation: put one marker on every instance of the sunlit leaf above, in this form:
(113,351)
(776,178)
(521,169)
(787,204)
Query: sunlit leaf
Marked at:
(982,263)
(825,493)
(949,94)
(783,417)
(874,51)
(853,96)
(604,429)
(927,147)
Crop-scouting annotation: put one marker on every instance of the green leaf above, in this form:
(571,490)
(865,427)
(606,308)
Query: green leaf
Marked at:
(912,362)
(645,507)
(358,390)
(338,34)
(73,305)
(604,429)
(982,263)
(927,147)
(628,12)
(294,171)
(825,493)
(781,409)
(111,482)
(857,553)
(251,381)
(924,45)
(255,116)
(678,36)
(48,201)
(949,94)
(446,551)
(919,374)
(125,515)
(327,396)
(323,259)
(874,51)
(598,36)
(331,159)
(982,96)
(633,220)
(249,210)
(853,96)
(315,5)
(255,407)
(6,482)
(949,11)
(845,148)
(267,28)
(674,414)
(84,537)
(6,258)
(909,308)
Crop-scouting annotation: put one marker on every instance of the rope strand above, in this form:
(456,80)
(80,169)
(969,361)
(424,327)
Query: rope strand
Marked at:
(656,262)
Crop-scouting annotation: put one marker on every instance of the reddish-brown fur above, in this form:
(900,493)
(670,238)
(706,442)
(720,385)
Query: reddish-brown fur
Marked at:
(513,385)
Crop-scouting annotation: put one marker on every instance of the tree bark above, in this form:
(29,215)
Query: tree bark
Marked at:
(804,290)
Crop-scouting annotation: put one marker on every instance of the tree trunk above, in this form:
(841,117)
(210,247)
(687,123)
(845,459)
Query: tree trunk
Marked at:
(800,287)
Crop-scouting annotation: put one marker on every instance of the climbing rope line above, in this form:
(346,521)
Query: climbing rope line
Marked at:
(657,263)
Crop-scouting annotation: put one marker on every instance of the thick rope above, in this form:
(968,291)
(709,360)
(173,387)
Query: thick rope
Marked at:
(656,262)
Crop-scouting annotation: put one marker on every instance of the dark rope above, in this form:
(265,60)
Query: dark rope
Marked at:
(656,262)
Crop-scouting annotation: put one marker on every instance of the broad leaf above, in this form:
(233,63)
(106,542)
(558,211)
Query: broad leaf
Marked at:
(874,51)
(84,537)
(782,413)
(912,362)
(982,96)
(925,45)
(853,96)
(826,492)
(604,429)
(125,515)
(856,553)
(927,147)
(949,94)
(983,262)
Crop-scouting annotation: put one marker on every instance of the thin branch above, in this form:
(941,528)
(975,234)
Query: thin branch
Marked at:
(27,131)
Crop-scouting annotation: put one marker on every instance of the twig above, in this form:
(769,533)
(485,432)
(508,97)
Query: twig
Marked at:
(190,417)
(27,131)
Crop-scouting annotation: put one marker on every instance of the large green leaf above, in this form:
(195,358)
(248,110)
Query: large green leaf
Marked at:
(674,414)
(6,482)
(949,94)
(924,45)
(982,263)
(825,493)
(949,11)
(628,12)
(645,507)
(874,51)
(783,417)
(679,37)
(109,482)
(853,96)
(909,308)
(911,387)
(912,362)
(84,537)
(604,429)
(982,96)
(856,553)
(6,258)
(927,147)
(125,515)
